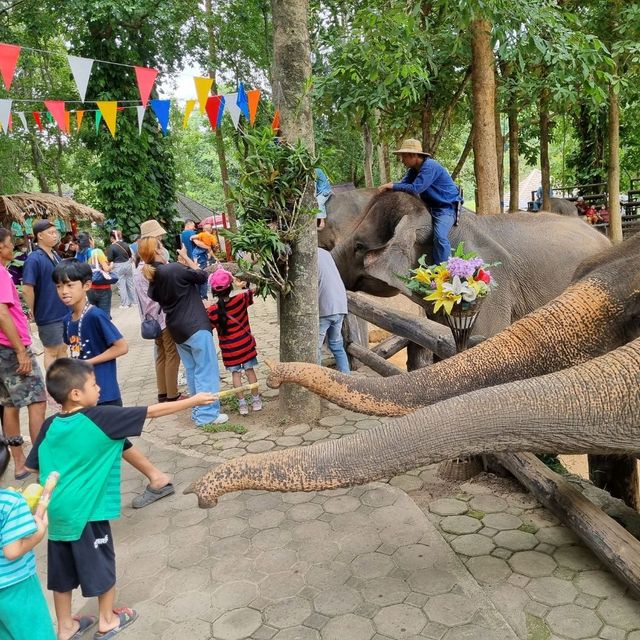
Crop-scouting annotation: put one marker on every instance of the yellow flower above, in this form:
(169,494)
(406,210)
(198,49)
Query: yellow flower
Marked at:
(423,275)
(443,299)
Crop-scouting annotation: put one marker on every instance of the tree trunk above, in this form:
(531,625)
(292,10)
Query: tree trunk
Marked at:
(615,219)
(222,156)
(484,138)
(426,126)
(514,157)
(499,148)
(368,155)
(298,309)
(464,155)
(545,168)
(383,163)
(36,156)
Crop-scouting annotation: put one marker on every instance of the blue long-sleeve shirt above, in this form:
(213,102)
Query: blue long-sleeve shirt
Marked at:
(433,184)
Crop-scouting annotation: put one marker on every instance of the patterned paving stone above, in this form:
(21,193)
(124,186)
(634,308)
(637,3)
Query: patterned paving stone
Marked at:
(236,624)
(406,482)
(459,525)
(297,429)
(574,622)
(576,558)
(470,632)
(501,521)
(532,564)
(315,434)
(599,583)
(255,434)
(488,570)
(260,446)
(297,633)
(288,441)
(332,421)
(287,613)
(515,540)
(551,591)
(348,626)
(337,601)
(414,556)
(401,535)
(368,423)
(450,609)
(304,512)
(488,504)
(385,591)
(557,536)
(282,585)
(432,581)
(448,507)
(473,545)
(341,504)
(234,595)
(372,565)
(622,612)
(400,621)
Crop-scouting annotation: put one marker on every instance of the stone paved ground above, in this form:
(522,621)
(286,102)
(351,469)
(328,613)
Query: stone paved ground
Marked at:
(418,557)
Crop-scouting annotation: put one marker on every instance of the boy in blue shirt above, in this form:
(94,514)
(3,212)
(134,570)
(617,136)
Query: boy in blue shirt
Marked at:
(92,337)
(84,444)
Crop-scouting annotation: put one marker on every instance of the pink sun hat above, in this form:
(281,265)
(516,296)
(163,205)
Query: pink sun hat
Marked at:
(220,280)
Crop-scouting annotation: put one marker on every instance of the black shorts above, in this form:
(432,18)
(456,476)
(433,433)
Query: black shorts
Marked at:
(89,562)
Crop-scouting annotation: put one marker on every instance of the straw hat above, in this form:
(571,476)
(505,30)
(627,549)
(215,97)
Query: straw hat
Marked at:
(151,229)
(411,145)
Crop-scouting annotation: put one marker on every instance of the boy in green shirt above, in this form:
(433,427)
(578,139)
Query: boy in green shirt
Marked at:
(84,444)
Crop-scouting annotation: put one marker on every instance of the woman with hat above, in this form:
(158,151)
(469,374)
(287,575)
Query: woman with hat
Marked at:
(430,181)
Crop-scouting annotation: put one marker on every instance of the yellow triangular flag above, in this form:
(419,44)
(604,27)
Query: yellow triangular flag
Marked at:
(203,86)
(187,112)
(79,116)
(108,109)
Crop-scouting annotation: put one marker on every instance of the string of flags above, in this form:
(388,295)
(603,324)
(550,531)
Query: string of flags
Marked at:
(237,104)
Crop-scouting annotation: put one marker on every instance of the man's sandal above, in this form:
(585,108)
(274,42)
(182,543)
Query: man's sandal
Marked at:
(150,495)
(127,616)
(85,622)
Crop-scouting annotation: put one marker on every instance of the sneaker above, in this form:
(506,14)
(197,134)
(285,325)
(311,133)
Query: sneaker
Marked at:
(221,419)
(256,403)
(243,408)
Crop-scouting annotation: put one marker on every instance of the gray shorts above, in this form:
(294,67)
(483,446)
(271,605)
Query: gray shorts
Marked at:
(51,335)
(15,390)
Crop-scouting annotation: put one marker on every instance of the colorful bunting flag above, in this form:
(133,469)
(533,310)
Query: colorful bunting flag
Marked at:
(161,109)
(79,116)
(36,117)
(243,101)
(253,97)
(213,108)
(98,118)
(203,86)
(187,112)
(49,117)
(223,102)
(10,122)
(145,77)
(81,70)
(8,59)
(23,120)
(108,108)
(140,110)
(275,123)
(56,109)
(67,119)
(5,113)
(231,100)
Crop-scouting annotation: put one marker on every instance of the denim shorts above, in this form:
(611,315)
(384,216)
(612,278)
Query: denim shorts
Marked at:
(51,335)
(249,364)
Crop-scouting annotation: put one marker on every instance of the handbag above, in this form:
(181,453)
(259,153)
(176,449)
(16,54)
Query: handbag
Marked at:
(150,328)
(100,276)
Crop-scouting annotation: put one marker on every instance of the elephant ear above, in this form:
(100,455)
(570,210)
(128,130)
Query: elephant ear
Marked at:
(398,256)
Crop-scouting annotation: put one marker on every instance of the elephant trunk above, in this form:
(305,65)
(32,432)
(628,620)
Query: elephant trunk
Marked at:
(590,408)
(582,323)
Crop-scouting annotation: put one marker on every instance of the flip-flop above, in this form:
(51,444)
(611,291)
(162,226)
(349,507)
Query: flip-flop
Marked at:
(127,616)
(150,495)
(22,476)
(86,622)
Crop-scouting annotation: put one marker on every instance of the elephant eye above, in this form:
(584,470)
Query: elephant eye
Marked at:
(359,246)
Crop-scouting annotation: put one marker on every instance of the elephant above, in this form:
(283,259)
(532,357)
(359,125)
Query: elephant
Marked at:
(563,207)
(563,379)
(538,253)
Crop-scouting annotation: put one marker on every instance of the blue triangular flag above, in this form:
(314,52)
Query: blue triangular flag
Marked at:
(161,109)
(242,101)
(220,112)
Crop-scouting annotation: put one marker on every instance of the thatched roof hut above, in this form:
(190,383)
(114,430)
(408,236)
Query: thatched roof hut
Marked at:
(18,206)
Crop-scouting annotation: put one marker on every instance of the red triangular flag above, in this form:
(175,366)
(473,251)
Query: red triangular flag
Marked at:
(56,109)
(212,108)
(145,78)
(8,59)
(36,117)
(275,124)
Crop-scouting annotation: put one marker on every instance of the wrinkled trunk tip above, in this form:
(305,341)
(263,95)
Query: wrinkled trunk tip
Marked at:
(275,375)
(203,503)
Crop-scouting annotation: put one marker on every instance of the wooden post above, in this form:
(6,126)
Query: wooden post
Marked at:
(355,330)
(618,475)
(418,357)
(373,361)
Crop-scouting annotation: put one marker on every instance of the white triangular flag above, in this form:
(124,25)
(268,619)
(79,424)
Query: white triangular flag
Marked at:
(5,112)
(81,70)
(23,120)
(140,109)
(232,108)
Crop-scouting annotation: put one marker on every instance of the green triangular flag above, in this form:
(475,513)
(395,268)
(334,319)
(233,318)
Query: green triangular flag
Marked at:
(98,118)
(49,116)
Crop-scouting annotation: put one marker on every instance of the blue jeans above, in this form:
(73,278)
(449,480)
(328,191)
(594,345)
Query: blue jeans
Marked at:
(201,256)
(200,361)
(331,326)
(442,222)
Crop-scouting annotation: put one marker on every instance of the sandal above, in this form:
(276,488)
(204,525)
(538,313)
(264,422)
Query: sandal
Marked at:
(23,475)
(85,622)
(127,616)
(150,495)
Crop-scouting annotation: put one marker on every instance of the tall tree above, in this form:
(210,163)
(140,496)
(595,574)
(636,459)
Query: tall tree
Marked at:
(298,309)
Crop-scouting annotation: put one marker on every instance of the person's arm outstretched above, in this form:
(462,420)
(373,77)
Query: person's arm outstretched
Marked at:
(169,408)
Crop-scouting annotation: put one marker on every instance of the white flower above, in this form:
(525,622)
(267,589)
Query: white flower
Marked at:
(459,288)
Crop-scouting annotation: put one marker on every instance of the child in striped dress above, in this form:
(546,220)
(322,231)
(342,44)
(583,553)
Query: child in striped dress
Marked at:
(230,319)
(24,614)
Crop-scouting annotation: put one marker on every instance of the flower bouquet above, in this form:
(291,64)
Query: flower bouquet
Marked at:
(457,287)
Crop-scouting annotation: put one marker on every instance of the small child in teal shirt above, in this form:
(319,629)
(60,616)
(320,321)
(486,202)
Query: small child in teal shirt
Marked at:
(24,614)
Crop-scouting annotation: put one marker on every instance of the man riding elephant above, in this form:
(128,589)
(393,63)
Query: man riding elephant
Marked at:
(431,181)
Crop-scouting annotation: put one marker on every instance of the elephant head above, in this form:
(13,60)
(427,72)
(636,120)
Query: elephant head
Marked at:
(563,379)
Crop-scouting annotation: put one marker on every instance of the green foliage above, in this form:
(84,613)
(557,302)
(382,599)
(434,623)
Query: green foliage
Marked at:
(219,428)
(272,208)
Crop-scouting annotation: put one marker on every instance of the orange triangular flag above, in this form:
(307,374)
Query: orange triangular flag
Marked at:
(275,123)
(253,97)
(67,120)
(203,86)
(79,116)
(109,109)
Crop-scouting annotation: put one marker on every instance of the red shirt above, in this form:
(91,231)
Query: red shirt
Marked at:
(238,344)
